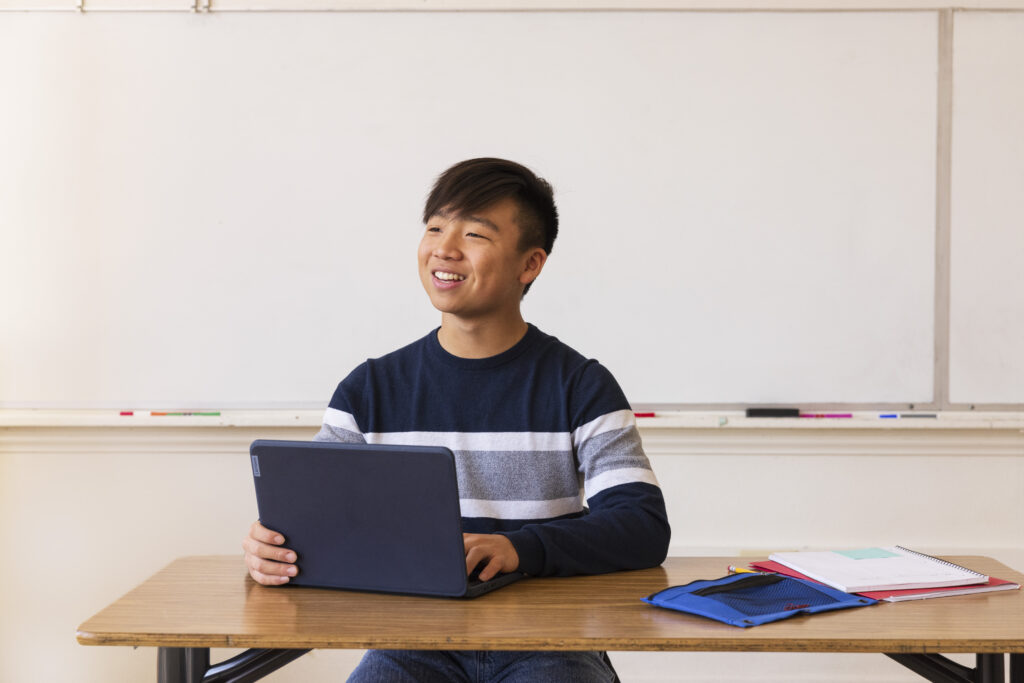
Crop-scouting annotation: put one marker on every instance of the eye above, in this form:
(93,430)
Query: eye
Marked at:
(476,235)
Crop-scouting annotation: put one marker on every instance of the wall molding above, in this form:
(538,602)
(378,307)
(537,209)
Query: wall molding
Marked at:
(670,419)
(775,442)
(836,442)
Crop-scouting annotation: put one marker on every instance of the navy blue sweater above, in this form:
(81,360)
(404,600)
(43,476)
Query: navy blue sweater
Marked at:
(536,431)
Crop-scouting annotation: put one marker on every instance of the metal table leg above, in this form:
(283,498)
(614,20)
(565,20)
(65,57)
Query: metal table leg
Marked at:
(939,669)
(192,665)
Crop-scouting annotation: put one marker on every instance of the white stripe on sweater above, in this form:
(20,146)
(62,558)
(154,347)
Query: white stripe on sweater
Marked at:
(626,475)
(620,419)
(490,441)
(341,419)
(520,509)
(478,441)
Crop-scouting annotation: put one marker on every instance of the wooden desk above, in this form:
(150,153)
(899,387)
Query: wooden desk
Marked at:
(201,602)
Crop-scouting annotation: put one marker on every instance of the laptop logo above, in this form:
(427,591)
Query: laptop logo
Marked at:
(255,466)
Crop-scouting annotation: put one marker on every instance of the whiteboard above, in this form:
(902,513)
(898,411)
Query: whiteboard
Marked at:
(223,210)
(987,275)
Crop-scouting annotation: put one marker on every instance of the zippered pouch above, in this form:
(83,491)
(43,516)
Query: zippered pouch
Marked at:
(752,599)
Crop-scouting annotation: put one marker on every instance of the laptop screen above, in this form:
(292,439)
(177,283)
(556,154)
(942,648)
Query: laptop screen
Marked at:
(365,517)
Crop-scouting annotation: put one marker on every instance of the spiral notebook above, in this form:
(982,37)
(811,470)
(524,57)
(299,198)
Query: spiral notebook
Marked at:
(993,584)
(878,569)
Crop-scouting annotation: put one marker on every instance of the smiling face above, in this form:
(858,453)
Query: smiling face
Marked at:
(471,266)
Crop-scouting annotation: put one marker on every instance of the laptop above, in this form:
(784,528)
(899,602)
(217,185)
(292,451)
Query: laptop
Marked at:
(368,517)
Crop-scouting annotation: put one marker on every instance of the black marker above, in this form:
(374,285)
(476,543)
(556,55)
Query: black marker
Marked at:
(773,412)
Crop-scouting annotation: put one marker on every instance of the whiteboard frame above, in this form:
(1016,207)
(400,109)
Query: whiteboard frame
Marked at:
(210,6)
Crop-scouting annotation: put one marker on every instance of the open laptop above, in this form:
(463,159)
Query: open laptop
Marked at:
(368,517)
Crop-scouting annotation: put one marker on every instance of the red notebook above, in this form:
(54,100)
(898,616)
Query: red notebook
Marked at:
(993,584)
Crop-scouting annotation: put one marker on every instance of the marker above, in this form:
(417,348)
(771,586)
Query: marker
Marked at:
(826,415)
(185,414)
(889,416)
(773,412)
(931,415)
(644,415)
(129,413)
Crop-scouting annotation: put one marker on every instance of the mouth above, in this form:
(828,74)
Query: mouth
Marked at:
(447,277)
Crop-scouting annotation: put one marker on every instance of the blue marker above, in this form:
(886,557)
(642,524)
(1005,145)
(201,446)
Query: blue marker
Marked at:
(890,416)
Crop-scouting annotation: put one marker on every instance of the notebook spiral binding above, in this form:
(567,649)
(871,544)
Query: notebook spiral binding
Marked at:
(940,561)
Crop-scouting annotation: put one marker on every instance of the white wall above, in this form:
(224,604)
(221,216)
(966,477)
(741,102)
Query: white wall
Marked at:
(87,513)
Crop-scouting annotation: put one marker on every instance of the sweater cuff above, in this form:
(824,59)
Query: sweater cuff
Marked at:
(530,551)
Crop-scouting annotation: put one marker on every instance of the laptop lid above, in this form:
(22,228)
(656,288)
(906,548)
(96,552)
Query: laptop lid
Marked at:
(365,517)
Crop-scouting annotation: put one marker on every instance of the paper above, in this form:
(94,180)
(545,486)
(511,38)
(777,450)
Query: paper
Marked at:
(867,554)
(875,569)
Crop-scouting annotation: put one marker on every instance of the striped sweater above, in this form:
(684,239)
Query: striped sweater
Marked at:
(546,448)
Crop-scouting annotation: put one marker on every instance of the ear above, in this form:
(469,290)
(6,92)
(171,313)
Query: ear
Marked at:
(535,258)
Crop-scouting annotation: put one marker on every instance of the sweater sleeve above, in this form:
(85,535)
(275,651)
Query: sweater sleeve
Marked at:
(626,526)
(340,423)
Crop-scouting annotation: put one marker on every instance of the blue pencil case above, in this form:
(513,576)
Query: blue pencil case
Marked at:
(752,599)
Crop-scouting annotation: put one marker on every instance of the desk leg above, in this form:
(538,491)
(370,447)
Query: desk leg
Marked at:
(192,665)
(990,669)
(182,664)
(939,669)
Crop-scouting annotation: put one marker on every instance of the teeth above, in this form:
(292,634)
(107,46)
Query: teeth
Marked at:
(441,275)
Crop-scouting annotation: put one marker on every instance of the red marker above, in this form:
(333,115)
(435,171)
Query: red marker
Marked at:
(127,412)
(826,415)
(644,415)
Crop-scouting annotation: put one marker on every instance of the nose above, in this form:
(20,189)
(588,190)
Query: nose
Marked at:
(447,247)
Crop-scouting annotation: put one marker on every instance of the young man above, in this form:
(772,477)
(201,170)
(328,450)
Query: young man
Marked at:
(532,423)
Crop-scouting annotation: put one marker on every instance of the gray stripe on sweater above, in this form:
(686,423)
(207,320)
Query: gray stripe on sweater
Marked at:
(619,449)
(518,475)
(529,475)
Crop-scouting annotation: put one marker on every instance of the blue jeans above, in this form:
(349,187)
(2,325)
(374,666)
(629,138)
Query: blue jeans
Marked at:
(427,666)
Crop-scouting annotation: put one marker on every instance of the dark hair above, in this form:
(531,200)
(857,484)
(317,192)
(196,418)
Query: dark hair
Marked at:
(476,184)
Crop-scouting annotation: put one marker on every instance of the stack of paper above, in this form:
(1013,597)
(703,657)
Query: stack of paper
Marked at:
(891,574)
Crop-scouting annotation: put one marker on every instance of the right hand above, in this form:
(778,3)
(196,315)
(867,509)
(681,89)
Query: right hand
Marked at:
(269,564)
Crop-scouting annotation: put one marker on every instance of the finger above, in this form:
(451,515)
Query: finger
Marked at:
(270,552)
(268,579)
(492,569)
(269,567)
(474,556)
(265,535)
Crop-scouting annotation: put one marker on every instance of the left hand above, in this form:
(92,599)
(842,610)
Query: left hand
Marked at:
(494,551)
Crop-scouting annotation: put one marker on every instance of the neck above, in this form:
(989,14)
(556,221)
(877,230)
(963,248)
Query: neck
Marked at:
(470,339)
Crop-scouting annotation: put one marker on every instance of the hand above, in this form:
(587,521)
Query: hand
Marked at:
(268,563)
(494,551)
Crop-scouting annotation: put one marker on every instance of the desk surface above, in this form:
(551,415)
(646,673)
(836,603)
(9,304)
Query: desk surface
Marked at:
(211,602)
